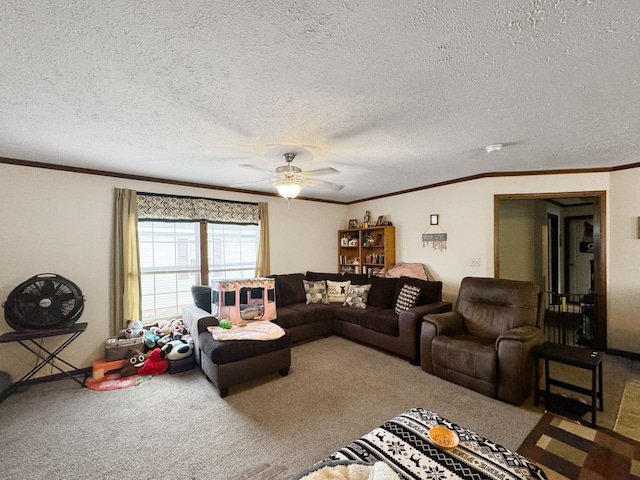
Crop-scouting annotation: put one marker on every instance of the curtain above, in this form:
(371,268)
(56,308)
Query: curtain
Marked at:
(125,269)
(263,262)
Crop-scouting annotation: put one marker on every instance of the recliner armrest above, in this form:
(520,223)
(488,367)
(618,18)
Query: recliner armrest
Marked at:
(516,362)
(433,325)
(445,323)
(525,333)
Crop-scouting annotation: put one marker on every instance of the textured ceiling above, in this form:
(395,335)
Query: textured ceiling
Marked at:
(394,94)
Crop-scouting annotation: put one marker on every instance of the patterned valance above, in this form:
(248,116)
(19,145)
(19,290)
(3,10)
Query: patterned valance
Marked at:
(194,209)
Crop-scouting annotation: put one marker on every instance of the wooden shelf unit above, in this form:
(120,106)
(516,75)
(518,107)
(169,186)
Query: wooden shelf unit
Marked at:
(366,250)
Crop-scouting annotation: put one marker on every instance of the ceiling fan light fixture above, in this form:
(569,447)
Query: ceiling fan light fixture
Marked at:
(288,188)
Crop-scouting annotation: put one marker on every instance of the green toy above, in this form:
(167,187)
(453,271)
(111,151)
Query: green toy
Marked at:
(224,323)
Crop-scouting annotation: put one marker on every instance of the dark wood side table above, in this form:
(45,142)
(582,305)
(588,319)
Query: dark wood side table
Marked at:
(28,340)
(577,357)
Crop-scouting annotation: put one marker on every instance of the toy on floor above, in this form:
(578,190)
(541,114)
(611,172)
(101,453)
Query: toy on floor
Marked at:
(154,364)
(177,327)
(151,341)
(134,329)
(135,360)
(177,349)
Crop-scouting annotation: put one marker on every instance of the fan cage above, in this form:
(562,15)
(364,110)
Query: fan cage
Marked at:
(45,301)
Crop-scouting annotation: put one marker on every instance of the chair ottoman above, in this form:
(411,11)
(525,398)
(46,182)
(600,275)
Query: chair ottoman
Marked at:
(231,362)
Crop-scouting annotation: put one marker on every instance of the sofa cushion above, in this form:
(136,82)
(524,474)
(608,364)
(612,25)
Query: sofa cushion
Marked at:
(337,291)
(288,317)
(289,289)
(357,296)
(202,297)
(315,276)
(351,315)
(382,293)
(430,292)
(227,351)
(315,291)
(314,312)
(355,278)
(383,321)
(407,298)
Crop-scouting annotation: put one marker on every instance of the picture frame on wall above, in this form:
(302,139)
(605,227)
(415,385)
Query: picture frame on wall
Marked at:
(353,223)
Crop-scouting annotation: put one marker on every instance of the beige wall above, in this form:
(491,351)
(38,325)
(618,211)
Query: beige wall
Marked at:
(623,210)
(61,222)
(466,214)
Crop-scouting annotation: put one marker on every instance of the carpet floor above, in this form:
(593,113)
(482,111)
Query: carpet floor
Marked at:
(177,426)
(567,450)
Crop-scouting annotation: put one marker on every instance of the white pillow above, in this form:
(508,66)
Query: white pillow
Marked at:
(337,291)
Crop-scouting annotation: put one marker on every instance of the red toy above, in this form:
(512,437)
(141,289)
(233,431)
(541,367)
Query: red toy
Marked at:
(154,364)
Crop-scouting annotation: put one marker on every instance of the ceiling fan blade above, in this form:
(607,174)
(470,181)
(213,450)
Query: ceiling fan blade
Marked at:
(256,167)
(250,183)
(320,171)
(321,183)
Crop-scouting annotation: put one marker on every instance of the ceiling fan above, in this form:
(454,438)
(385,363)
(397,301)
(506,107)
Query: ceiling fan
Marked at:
(289,180)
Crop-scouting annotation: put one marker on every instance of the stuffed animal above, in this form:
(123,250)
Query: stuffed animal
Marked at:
(151,340)
(154,364)
(133,330)
(177,349)
(135,360)
(177,328)
(163,328)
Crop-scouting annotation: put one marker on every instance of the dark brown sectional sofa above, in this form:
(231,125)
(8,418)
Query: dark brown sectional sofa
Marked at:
(378,324)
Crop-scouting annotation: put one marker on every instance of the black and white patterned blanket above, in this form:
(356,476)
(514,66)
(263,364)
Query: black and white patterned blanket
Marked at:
(404,444)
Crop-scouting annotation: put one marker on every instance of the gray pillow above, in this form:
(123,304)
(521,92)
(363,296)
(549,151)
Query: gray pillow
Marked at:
(357,296)
(316,292)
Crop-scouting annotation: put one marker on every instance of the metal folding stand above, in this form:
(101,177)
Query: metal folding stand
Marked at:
(45,357)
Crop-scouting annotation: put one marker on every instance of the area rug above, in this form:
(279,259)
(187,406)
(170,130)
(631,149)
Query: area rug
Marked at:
(567,450)
(628,420)
(113,381)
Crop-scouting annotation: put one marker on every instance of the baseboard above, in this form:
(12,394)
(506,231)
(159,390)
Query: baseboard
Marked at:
(623,353)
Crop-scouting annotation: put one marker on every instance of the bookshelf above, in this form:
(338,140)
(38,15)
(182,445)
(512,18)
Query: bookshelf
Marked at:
(366,250)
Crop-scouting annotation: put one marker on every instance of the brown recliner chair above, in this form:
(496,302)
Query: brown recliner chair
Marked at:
(486,344)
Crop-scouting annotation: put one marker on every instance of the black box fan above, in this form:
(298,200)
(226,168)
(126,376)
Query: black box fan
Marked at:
(46,301)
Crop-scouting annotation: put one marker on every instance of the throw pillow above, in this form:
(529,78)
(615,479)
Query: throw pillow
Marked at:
(316,292)
(407,298)
(202,297)
(337,291)
(357,296)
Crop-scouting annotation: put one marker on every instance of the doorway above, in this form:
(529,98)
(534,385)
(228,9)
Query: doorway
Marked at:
(556,240)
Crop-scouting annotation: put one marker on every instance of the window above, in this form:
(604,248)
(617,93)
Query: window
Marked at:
(232,251)
(171,261)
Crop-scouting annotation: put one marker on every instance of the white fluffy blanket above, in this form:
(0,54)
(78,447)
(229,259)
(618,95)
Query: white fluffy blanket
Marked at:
(258,330)
(377,471)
